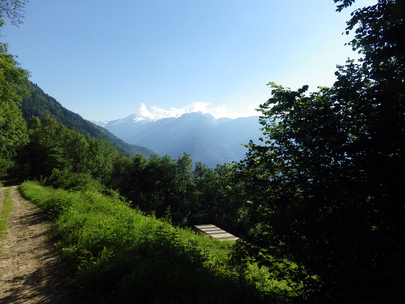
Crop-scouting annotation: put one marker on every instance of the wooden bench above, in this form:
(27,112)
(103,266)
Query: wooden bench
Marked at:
(215,232)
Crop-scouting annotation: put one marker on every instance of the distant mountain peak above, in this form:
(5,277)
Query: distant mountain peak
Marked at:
(196,115)
(131,119)
(205,138)
(138,118)
(135,118)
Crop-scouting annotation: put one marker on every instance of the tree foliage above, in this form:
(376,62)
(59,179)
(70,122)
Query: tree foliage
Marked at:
(185,195)
(53,146)
(328,180)
(13,9)
(12,125)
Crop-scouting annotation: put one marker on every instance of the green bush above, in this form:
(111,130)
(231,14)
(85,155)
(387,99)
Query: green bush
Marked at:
(79,182)
(72,181)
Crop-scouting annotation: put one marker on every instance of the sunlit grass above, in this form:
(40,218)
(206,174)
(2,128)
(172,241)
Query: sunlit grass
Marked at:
(5,209)
(120,255)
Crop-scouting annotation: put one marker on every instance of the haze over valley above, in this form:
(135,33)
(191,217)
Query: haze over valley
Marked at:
(206,139)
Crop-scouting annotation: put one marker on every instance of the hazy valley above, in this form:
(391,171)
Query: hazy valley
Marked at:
(206,139)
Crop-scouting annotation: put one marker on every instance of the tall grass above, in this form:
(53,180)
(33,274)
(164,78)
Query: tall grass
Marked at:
(5,209)
(121,256)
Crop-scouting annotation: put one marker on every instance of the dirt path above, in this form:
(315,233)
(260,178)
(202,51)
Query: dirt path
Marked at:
(30,271)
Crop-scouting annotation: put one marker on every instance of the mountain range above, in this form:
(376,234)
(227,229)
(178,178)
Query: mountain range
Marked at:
(206,139)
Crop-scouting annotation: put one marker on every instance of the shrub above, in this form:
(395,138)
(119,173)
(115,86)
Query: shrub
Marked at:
(73,181)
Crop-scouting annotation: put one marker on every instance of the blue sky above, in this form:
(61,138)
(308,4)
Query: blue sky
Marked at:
(108,59)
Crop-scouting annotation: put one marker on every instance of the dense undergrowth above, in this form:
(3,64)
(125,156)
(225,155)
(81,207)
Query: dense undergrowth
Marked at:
(119,255)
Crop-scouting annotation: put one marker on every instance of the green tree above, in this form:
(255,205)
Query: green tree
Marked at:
(54,146)
(157,185)
(172,188)
(45,150)
(100,158)
(12,125)
(218,198)
(125,175)
(328,181)
(181,196)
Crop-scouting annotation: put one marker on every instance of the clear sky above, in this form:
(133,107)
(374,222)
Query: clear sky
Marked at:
(108,59)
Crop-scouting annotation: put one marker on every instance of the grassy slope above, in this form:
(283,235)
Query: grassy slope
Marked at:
(121,256)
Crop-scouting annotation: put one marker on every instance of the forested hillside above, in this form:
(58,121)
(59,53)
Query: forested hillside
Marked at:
(39,104)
